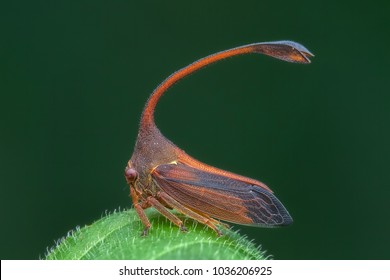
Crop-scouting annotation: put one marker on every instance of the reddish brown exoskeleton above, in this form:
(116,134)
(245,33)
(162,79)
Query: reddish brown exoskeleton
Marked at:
(162,176)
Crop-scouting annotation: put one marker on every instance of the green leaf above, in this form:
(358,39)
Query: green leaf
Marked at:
(118,236)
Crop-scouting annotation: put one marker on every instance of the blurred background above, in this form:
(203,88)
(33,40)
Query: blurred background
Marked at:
(74,77)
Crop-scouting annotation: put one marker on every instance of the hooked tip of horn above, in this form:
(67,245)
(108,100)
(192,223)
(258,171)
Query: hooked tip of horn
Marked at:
(285,50)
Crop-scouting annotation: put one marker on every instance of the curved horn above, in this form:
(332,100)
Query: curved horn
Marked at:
(284,50)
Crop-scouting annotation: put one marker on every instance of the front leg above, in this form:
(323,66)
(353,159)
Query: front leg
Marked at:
(140,211)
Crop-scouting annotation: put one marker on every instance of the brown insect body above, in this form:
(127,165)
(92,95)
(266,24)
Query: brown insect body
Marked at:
(162,176)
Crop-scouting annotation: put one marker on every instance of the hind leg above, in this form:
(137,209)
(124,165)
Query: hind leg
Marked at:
(211,223)
(164,211)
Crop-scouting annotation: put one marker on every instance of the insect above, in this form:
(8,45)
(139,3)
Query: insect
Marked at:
(163,176)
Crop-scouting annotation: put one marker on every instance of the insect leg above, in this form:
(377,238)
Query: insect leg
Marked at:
(161,208)
(140,211)
(211,223)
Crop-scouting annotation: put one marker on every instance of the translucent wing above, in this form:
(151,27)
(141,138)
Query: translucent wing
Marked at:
(221,197)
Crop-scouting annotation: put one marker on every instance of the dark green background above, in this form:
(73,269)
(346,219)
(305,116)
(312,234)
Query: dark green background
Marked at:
(74,78)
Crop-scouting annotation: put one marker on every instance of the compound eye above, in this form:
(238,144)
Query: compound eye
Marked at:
(131,174)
